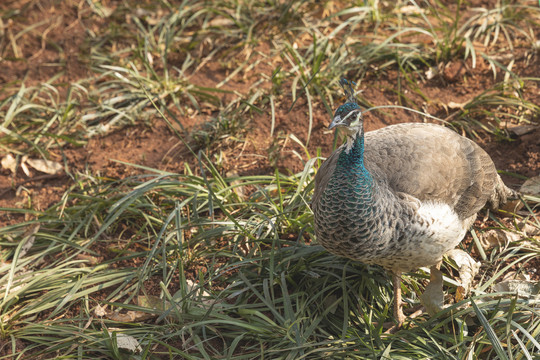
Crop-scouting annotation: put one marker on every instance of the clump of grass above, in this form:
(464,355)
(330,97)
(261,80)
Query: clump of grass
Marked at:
(490,109)
(38,118)
(506,19)
(206,266)
(259,286)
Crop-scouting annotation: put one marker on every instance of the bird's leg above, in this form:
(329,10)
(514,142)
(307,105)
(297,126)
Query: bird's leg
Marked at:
(398,311)
(434,272)
(433,296)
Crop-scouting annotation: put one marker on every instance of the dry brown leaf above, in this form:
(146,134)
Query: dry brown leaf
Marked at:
(455,105)
(221,22)
(204,295)
(9,162)
(512,206)
(520,130)
(238,189)
(513,275)
(522,288)
(100,311)
(409,10)
(529,229)
(432,72)
(45,166)
(531,186)
(24,167)
(124,341)
(497,237)
(130,316)
(28,238)
(467,268)
(92,260)
(152,302)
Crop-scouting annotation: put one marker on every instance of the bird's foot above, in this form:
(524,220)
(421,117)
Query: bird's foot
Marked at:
(393,328)
(417,311)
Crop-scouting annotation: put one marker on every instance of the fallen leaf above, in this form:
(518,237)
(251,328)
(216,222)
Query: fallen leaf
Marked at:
(151,302)
(409,10)
(455,105)
(105,11)
(521,130)
(130,316)
(531,186)
(127,342)
(28,238)
(100,311)
(237,185)
(221,22)
(512,206)
(45,166)
(497,237)
(467,268)
(196,292)
(24,167)
(529,229)
(432,72)
(513,275)
(522,288)
(92,260)
(9,162)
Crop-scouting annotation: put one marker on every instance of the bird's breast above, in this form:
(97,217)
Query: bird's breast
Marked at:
(396,233)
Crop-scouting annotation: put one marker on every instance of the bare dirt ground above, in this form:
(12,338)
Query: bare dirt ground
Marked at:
(155,145)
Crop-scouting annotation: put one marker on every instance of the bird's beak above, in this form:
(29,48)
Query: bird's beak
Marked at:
(335,122)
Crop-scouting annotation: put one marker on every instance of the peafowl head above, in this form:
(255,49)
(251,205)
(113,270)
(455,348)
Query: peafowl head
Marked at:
(348,115)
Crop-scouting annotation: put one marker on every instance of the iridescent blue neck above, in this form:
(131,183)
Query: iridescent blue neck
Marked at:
(351,189)
(352,158)
(351,180)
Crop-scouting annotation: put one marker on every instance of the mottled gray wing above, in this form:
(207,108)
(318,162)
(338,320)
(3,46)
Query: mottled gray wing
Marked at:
(431,162)
(427,161)
(324,174)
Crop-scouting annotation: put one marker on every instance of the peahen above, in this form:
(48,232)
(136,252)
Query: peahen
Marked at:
(402,196)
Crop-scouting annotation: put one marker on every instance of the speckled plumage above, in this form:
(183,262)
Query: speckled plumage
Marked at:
(403,196)
(400,197)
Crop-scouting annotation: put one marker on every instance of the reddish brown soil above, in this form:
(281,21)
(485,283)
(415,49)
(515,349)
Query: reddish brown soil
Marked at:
(253,151)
